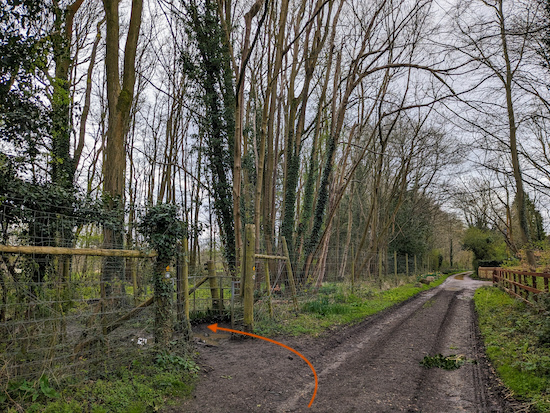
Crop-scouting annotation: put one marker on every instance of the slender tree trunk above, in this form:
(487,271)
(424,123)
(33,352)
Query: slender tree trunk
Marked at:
(512,128)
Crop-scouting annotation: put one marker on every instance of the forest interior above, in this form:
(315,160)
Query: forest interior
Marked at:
(279,166)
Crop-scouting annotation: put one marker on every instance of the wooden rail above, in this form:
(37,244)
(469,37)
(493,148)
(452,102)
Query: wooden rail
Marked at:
(31,249)
(521,284)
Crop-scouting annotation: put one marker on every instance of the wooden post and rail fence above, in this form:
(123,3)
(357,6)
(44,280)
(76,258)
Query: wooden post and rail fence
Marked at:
(182,285)
(521,284)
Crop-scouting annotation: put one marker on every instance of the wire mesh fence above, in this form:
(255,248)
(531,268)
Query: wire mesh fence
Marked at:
(64,326)
(336,271)
(87,310)
(60,316)
(69,328)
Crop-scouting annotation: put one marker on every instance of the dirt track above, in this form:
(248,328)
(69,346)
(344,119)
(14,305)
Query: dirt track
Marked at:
(369,367)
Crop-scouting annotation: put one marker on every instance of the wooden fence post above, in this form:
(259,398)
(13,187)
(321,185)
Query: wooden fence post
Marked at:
(352,271)
(407,263)
(395,263)
(379,266)
(248,276)
(268,285)
(290,274)
(183,290)
(415,266)
(214,290)
(133,270)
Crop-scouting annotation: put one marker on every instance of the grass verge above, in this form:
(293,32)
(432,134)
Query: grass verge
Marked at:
(516,341)
(335,305)
(151,381)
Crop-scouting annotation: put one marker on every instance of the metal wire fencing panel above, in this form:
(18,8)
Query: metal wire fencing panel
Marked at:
(212,296)
(281,291)
(67,326)
(59,315)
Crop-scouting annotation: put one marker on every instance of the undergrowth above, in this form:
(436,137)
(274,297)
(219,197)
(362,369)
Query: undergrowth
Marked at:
(516,341)
(151,381)
(335,304)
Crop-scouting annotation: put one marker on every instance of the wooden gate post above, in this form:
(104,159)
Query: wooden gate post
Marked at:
(248,276)
(183,289)
(214,291)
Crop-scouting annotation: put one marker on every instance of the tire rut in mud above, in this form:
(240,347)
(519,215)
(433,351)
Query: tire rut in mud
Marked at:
(384,373)
(373,366)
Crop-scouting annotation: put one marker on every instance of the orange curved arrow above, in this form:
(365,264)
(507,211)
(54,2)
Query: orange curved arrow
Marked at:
(214,328)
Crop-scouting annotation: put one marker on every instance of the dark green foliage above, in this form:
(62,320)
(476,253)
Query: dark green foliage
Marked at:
(543,329)
(451,362)
(322,198)
(29,127)
(485,244)
(162,229)
(169,361)
(23,390)
(24,118)
(534,221)
(210,69)
(413,225)
(323,305)
(309,191)
(292,175)
(22,200)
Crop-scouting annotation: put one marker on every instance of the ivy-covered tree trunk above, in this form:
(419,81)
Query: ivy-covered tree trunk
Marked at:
(163,303)
(291,184)
(63,168)
(163,229)
(212,72)
(62,162)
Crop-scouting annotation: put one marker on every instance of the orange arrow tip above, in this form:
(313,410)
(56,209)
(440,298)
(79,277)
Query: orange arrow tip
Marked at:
(213,327)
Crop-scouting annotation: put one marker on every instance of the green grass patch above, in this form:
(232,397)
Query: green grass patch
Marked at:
(150,382)
(451,362)
(335,304)
(514,336)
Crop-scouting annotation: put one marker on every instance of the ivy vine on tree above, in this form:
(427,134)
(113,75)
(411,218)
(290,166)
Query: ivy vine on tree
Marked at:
(162,229)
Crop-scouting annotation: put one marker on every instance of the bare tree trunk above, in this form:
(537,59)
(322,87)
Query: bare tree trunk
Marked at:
(87,98)
(120,99)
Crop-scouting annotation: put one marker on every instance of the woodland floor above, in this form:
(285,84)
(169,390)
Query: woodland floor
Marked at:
(373,366)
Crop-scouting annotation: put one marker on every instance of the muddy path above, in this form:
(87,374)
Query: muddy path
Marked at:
(372,366)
